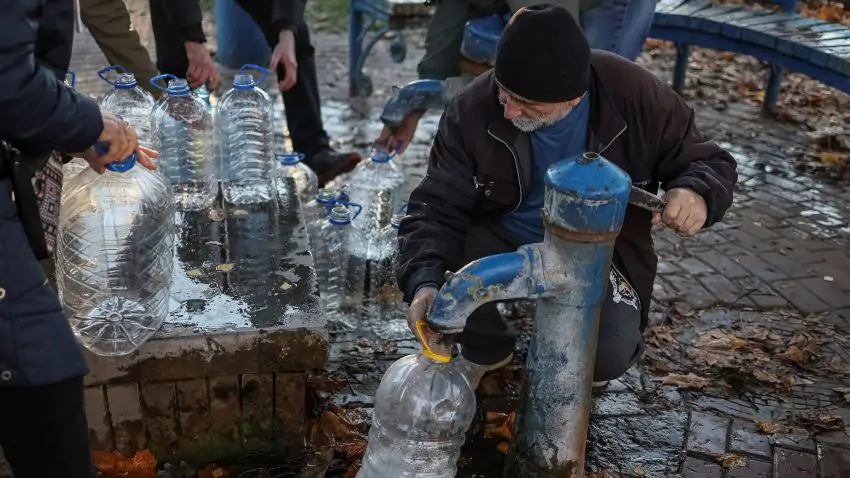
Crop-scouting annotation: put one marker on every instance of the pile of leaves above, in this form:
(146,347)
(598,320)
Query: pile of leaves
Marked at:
(718,79)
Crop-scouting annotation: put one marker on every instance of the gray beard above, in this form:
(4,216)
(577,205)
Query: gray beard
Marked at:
(528,125)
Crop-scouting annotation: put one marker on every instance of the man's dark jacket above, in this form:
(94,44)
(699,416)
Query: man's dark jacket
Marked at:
(480,165)
(38,114)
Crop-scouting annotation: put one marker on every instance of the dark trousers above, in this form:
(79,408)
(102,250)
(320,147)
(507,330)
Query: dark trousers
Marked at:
(43,431)
(488,339)
(303,106)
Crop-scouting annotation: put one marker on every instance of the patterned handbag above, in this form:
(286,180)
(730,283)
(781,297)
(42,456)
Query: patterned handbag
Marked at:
(47,183)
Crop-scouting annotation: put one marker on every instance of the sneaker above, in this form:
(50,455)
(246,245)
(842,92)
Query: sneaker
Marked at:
(328,164)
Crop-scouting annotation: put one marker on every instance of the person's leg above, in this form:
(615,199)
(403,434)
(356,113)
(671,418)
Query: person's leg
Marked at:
(109,23)
(44,432)
(618,26)
(443,39)
(170,51)
(571,5)
(620,343)
(302,102)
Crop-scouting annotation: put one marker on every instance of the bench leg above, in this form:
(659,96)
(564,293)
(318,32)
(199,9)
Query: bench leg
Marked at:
(355,52)
(683,55)
(771,91)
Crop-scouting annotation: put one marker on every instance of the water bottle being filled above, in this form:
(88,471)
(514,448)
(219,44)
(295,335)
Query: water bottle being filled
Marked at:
(246,135)
(316,214)
(289,165)
(115,255)
(423,408)
(129,101)
(342,276)
(385,304)
(376,185)
(183,135)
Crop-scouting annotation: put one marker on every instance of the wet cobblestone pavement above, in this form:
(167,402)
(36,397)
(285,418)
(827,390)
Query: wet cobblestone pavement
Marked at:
(746,372)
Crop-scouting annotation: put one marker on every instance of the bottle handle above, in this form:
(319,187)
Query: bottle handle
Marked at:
(354,205)
(71,78)
(116,68)
(286,158)
(251,66)
(384,151)
(421,326)
(156,79)
(402,209)
(102,148)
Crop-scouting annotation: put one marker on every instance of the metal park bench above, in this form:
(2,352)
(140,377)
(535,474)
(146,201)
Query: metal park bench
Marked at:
(368,22)
(783,38)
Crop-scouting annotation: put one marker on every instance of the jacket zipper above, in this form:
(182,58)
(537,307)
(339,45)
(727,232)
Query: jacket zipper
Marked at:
(516,166)
(612,141)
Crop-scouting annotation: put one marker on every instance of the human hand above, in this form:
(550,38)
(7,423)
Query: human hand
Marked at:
(396,139)
(686,211)
(419,306)
(284,55)
(145,156)
(202,70)
(119,140)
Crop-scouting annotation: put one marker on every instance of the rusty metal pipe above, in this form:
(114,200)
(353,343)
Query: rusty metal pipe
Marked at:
(418,95)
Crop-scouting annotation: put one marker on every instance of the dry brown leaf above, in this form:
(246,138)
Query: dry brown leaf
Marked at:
(355,450)
(830,158)
(770,427)
(194,273)
(213,471)
(114,464)
(836,365)
(731,460)
(639,470)
(352,470)
(227,267)
(821,419)
(685,381)
(499,424)
(793,354)
(719,339)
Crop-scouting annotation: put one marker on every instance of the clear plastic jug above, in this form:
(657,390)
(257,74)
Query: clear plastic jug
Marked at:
(115,256)
(206,96)
(246,138)
(376,185)
(423,409)
(385,304)
(289,165)
(129,101)
(183,135)
(342,268)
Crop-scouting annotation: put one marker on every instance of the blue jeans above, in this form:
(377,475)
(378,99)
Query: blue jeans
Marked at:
(619,26)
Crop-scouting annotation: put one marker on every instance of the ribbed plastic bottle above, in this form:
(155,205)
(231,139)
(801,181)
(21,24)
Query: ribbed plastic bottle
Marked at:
(205,95)
(129,101)
(423,408)
(385,305)
(183,134)
(342,273)
(289,165)
(246,138)
(115,256)
(316,212)
(376,185)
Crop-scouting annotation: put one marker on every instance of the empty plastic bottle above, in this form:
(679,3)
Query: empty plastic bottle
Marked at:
(246,139)
(385,304)
(128,101)
(342,268)
(183,134)
(376,185)
(423,408)
(289,165)
(115,256)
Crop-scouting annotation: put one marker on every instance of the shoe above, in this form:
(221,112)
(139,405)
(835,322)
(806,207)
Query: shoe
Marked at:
(601,384)
(475,372)
(328,164)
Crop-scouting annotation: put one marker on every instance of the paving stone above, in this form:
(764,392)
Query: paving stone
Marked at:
(749,243)
(617,404)
(722,288)
(663,291)
(707,433)
(760,268)
(788,265)
(800,297)
(839,318)
(691,291)
(753,469)
(827,292)
(696,468)
(723,264)
(694,266)
(745,438)
(794,464)
(835,462)
(795,442)
(760,293)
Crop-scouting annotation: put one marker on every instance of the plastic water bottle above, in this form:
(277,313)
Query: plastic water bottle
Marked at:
(423,408)
(205,95)
(315,216)
(245,124)
(183,135)
(341,277)
(385,304)
(75,165)
(115,256)
(129,102)
(289,165)
(254,247)
(376,185)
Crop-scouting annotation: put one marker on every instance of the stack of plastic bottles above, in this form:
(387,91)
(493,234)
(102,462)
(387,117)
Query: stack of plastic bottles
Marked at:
(246,140)
(423,409)
(341,268)
(183,134)
(115,255)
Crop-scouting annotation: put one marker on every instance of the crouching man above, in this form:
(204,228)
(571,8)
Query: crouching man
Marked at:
(551,97)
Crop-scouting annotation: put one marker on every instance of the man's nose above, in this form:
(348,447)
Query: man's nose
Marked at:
(511,111)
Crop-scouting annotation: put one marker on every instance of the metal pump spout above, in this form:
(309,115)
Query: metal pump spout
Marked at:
(583,210)
(418,95)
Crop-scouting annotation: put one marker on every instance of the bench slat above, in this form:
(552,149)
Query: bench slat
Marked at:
(705,19)
(839,60)
(796,42)
(680,15)
(730,29)
(762,33)
(664,6)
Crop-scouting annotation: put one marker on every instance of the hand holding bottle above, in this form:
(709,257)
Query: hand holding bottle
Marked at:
(420,305)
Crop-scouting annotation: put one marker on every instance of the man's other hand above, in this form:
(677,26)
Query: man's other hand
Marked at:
(420,305)
(284,55)
(686,211)
(202,70)
(396,140)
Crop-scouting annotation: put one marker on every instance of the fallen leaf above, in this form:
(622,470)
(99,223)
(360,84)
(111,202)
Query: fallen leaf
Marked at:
(770,427)
(213,471)
(285,286)
(227,267)
(685,381)
(355,450)
(238,213)
(828,278)
(830,158)
(352,470)
(503,448)
(821,419)
(731,460)
(194,273)
(214,243)
(639,471)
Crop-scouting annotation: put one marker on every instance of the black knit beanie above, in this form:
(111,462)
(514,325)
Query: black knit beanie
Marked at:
(543,55)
